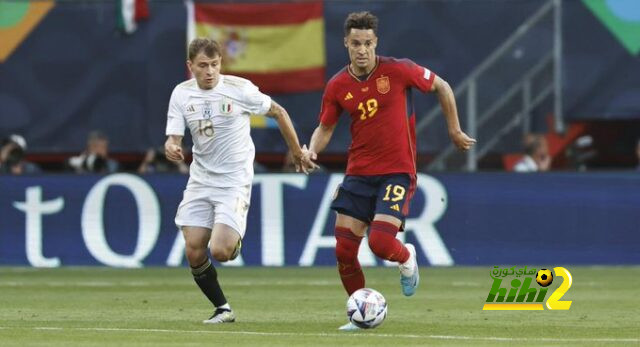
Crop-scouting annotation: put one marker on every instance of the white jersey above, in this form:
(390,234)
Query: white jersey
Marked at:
(218,119)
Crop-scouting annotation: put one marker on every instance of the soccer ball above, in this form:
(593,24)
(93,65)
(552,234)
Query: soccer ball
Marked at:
(366,308)
(544,277)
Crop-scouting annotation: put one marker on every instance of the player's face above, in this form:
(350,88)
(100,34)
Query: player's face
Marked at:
(361,44)
(206,70)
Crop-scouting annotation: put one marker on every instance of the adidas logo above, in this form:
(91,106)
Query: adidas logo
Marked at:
(348,96)
(191,109)
(395,207)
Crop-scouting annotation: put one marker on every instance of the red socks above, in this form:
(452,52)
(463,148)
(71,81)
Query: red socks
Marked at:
(347,254)
(383,242)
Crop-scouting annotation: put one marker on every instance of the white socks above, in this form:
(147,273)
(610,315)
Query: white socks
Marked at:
(407,268)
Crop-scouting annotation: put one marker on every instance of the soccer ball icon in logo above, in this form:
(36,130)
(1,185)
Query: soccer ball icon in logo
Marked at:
(544,277)
(366,308)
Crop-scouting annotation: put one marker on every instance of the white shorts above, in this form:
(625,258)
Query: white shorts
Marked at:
(204,206)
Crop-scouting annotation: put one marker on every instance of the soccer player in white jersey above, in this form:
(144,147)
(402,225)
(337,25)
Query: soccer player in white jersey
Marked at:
(216,108)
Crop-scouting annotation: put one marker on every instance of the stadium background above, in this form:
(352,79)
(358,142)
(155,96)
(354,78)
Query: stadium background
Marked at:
(76,71)
(67,69)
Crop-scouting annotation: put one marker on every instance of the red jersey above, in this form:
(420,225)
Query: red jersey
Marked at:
(383,136)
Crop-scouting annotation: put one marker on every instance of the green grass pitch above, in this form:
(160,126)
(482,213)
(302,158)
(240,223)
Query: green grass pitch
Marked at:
(303,307)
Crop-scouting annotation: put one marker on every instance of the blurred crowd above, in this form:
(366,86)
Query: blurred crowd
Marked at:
(536,155)
(95,158)
(12,157)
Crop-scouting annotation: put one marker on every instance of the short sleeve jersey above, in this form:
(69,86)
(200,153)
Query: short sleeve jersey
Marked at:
(218,120)
(383,139)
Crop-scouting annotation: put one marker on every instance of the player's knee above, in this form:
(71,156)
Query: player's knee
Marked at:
(221,253)
(195,255)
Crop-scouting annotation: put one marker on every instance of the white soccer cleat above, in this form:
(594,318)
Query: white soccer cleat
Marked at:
(409,275)
(221,315)
(349,327)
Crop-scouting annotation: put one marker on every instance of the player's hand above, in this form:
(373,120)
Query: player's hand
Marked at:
(173,152)
(309,155)
(304,162)
(462,140)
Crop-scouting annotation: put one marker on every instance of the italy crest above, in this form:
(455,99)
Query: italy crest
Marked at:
(226,106)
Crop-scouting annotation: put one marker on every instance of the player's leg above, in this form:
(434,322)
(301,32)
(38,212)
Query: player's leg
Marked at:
(222,247)
(204,273)
(392,206)
(354,211)
(225,242)
(383,241)
(195,218)
(349,233)
(354,201)
(231,206)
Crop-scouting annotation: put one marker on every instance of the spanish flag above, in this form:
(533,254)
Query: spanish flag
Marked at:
(278,46)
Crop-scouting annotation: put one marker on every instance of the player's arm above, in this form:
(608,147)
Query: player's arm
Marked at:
(175,128)
(280,115)
(320,139)
(330,110)
(448,104)
(173,148)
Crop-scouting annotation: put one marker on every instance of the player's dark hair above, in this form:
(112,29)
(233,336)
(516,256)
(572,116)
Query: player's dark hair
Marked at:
(208,46)
(361,20)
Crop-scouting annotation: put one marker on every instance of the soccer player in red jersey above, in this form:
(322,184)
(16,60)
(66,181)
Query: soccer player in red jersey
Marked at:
(381,172)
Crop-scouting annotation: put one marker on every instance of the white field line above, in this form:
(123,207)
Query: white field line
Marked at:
(345,334)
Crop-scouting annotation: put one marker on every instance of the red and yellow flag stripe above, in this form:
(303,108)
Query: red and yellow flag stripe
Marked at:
(278,46)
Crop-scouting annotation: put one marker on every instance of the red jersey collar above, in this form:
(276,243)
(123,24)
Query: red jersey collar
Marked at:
(370,73)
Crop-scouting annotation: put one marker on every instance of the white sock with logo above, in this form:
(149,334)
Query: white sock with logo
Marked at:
(408,267)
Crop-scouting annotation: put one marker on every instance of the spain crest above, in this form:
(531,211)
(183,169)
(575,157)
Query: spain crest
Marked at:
(383,85)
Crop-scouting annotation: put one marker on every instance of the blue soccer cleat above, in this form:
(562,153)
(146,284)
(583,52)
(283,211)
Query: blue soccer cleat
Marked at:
(349,327)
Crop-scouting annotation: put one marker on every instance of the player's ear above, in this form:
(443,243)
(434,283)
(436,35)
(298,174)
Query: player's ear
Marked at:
(345,42)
